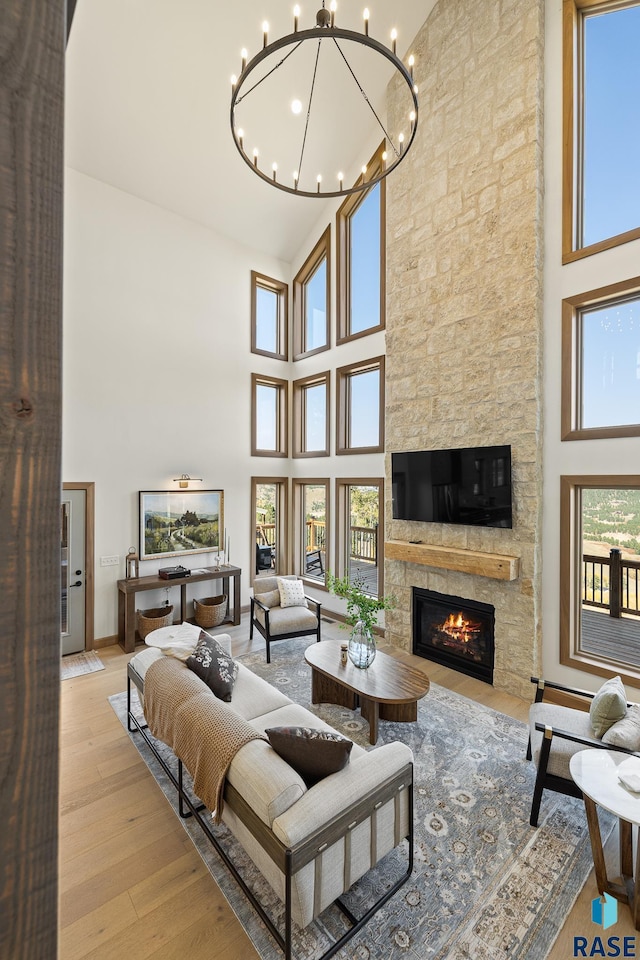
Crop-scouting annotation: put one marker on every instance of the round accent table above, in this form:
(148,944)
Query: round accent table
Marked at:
(596,774)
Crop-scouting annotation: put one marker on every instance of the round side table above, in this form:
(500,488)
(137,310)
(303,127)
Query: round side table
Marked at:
(596,774)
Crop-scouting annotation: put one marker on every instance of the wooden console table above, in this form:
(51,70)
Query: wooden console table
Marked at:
(127,590)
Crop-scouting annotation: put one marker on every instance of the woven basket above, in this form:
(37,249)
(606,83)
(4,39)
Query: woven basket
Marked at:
(150,620)
(210,611)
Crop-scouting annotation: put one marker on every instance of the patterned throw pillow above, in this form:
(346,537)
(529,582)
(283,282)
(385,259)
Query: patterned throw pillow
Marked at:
(608,706)
(218,670)
(312,753)
(291,593)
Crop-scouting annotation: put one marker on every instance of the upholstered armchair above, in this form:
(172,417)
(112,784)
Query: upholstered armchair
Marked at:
(297,616)
(604,720)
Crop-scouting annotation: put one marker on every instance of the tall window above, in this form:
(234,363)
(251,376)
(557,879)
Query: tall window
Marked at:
(601,207)
(311,301)
(311,416)
(600,573)
(359,532)
(360,407)
(269,526)
(268,416)
(269,316)
(311,526)
(361,259)
(601,363)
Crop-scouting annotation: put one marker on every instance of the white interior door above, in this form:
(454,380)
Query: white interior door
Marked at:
(73,571)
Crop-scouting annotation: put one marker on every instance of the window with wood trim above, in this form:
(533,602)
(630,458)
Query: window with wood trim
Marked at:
(600,574)
(360,407)
(361,261)
(269,316)
(312,301)
(311,416)
(360,532)
(601,363)
(269,416)
(311,529)
(601,201)
(269,525)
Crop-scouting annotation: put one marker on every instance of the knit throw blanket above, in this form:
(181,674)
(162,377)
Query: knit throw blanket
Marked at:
(202,731)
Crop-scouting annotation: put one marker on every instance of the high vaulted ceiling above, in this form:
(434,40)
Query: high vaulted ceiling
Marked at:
(148,95)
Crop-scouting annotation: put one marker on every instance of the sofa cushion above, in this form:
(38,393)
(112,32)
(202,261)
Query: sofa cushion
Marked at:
(252,696)
(210,662)
(288,619)
(264,780)
(608,706)
(626,732)
(312,753)
(291,593)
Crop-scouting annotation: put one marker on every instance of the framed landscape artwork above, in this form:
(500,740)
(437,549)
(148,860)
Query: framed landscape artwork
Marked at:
(174,523)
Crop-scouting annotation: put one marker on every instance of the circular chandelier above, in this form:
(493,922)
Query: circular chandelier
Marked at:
(279,99)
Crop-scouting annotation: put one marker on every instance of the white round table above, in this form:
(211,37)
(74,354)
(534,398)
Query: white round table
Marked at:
(596,774)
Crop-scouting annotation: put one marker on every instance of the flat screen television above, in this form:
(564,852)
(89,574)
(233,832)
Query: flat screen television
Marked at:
(470,485)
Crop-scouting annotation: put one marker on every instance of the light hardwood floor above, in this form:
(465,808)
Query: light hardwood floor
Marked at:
(131,882)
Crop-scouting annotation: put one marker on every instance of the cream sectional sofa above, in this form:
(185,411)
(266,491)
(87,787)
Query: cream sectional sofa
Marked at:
(310,843)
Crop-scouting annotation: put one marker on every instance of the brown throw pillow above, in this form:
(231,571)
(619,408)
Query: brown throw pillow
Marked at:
(210,662)
(312,753)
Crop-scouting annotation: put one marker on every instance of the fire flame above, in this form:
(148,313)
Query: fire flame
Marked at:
(460,629)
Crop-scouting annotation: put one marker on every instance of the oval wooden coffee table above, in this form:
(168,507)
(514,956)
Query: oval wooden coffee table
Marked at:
(387,690)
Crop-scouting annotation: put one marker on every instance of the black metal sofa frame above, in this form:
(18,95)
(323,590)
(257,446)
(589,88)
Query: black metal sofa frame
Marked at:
(549,781)
(288,859)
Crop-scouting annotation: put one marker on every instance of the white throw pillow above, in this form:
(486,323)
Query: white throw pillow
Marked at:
(625,732)
(291,593)
(608,706)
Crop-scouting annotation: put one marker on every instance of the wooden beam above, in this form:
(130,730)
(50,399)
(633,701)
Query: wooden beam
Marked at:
(32,38)
(492,565)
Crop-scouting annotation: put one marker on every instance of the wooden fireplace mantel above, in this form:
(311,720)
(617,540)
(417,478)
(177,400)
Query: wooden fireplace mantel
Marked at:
(494,565)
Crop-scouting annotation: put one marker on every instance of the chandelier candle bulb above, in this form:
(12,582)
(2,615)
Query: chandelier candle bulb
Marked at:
(394,37)
(411,63)
(296,14)
(295,179)
(274,168)
(401,141)
(333,9)
(243,55)
(234,79)
(365,17)
(255,156)
(241,137)
(265,34)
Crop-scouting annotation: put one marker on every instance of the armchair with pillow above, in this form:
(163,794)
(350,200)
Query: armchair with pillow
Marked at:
(606,721)
(280,610)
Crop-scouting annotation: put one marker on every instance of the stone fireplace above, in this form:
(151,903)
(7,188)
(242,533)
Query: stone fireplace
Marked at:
(454,631)
(463,367)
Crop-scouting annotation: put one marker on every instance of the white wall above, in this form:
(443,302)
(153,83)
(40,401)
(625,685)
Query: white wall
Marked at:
(157,368)
(569,457)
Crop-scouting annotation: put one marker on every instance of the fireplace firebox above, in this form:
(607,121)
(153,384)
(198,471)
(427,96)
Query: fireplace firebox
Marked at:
(455,632)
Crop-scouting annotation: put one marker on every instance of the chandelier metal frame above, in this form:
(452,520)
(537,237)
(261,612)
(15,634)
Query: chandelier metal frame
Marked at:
(325,30)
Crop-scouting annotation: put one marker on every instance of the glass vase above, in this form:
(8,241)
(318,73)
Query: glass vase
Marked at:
(362,646)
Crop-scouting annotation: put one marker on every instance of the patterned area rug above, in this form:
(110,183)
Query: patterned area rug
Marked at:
(77,664)
(485,884)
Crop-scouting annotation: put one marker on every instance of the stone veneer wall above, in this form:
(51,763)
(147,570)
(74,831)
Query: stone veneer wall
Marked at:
(464,299)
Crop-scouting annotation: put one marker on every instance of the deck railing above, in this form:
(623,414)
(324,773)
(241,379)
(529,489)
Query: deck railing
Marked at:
(363,540)
(611,583)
